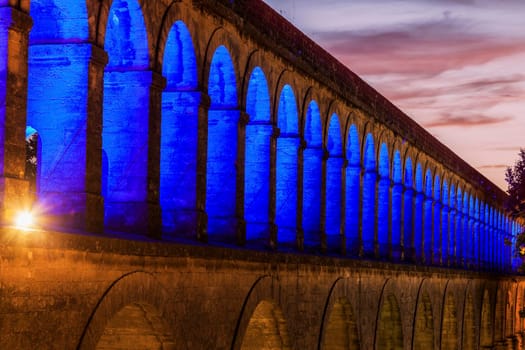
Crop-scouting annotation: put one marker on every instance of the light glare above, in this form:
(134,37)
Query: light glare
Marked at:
(24,219)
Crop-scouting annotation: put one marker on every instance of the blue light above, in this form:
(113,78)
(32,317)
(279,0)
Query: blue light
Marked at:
(383,201)
(312,176)
(459,226)
(452,225)
(179,123)
(466,230)
(334,164)
(353,179)
(221,174)
(408,204)
(445,237)
(125,113)
(59,111)
(428,217)
(369,195)
(286,167)
(418,213)
(436,227)
(397,193)
(257,159)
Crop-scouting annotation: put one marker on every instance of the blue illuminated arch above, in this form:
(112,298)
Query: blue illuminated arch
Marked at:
(125,117)
(257,157)
(397,200)
(58,21)
(459,226)
(408,215)
(452,225)
(418,213)
(334,167)
(57,100)
(436,227)
(466,240)
(312,176)
(369,195)
(445,236)
(223,117)
(286,167)
(428,217)
(353,175)
(179,124)
(383,201)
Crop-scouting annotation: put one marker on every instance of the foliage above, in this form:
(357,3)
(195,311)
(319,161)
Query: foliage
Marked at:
(515,177)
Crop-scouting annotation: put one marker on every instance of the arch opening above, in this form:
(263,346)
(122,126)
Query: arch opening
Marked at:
(136,326)
(352,202)
(221,174)
(389,329)
(428,218)
(397,200)
(424,325)
(333,182)
(418,213)
(179,135)
(312,176)
(368,222)
(449,325)
(257,157)
(383,202)
(125,118)
(286,168)
(408,215)
(436,225)
(58,51)
(341,329)
(266,329)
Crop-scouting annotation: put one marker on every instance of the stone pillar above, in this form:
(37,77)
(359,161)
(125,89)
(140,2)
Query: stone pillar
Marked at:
(436,233)
(244,119)
(14,33)
(272,242)
(300,194)
(202,156)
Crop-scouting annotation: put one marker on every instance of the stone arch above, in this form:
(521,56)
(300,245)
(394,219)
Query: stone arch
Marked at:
(286,160)
(261,304)
(312,155)
(383,200)
(258,130)
(136,326)
(181,100)
(222,141)
(126,107)
(408,207)
(449,322)
(397,201)
(132,294)
(333,164)
(389,330)
(59,50)
(423,329)
(267,329)
(352,188)
(487,321)
(368,193)
(339,328)
(469,321)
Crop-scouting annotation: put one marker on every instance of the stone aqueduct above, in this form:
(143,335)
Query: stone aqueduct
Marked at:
(253,192)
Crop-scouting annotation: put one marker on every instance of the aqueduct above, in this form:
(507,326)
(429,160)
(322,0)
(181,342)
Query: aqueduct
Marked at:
(208,177)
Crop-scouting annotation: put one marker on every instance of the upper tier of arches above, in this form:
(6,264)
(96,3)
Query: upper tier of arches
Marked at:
(183,127)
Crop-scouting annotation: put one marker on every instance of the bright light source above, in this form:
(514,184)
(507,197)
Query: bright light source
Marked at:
(24,219)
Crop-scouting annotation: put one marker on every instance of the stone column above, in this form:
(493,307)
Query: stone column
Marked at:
(14,34)
(272,242)
(244,119)
(202,156)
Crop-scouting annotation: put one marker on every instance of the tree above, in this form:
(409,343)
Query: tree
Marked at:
(515,177)
(515,205)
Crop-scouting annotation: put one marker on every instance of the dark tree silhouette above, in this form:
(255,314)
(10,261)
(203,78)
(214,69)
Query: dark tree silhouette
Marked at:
(515,177)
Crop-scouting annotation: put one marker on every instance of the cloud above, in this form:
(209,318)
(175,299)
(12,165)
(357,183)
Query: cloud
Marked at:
(475,120)
(493,166)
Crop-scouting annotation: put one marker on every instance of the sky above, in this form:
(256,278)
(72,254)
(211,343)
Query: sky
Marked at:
(457,67)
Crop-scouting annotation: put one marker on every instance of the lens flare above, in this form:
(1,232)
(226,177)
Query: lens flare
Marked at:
(24,220)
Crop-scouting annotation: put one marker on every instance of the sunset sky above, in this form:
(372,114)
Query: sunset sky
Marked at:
(457,67)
